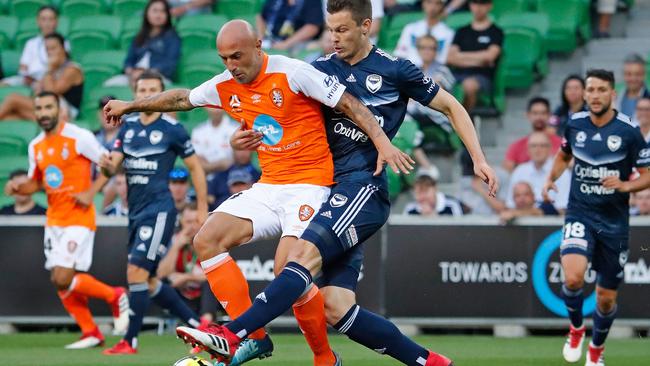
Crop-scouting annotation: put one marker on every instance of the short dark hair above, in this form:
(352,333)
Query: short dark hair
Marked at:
(360,9)
(59,38)
(151,74)
(47,7)
(47,93)
(425,180)
(17,173)
(634,58)
(538,100)
(602,74)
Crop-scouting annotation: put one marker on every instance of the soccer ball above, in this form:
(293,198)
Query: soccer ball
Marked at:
(192,361)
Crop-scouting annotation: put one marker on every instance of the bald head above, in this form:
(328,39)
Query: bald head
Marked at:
(240,50)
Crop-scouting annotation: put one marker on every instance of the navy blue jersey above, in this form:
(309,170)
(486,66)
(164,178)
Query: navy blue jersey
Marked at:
(384,84)
(149,155)
(613,149)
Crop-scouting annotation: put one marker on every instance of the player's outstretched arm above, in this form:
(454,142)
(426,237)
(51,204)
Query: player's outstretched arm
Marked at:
(86,197)
(200,186)
(363,117)
(639,184)
(110,163)
(462,124)
(167,101)
(560,164)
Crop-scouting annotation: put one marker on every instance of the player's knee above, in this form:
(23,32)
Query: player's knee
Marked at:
(574,281)
(471,86)
(135,274)
(308,256)
(335,310)
(215,242)
(61,280)
(606,302)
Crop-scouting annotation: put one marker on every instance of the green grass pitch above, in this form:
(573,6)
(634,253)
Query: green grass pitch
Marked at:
(46,349)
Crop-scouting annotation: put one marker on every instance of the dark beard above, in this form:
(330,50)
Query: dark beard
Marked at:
(51,126)
(602,112)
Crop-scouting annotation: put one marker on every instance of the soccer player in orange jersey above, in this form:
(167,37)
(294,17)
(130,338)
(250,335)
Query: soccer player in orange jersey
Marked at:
(60,160)
(278,99)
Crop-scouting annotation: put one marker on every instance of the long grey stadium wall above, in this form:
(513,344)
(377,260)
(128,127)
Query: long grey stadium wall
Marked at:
(414,268)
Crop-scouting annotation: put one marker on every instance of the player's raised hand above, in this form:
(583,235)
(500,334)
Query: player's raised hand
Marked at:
(114,110)
(549,186)
(613,182)
(485,173)
(244,139)
(398,160)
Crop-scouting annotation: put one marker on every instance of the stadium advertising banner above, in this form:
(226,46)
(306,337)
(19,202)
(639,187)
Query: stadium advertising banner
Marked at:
(414,271)
(496,272)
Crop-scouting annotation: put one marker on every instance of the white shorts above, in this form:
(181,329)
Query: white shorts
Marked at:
(276,209)
(69,247)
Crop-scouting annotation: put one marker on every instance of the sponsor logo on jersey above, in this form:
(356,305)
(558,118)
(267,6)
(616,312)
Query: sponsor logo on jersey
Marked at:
(305,212)
(597,137)
(261,297)
(140,164)
(351,132)
(277,97)
(330,80)
(351,79)
(327,214)
(72,246)
(256,98)
(141,247)
(270,128)
(597,173)
(351,236)
(614,142)
(338,200)
(142,133)
(53,176)
(155,137)
(145,232)
(138,179)
(373,83)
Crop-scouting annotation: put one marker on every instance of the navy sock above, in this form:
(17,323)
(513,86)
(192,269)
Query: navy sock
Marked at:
(276,298)
(167,298)
(139,303)
(602,323)
(573,301)
(380,335)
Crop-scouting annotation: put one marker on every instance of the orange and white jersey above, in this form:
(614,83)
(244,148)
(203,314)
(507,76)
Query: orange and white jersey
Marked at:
(62,162)
(284,103)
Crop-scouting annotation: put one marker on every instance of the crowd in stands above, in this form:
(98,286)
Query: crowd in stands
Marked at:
(463,57)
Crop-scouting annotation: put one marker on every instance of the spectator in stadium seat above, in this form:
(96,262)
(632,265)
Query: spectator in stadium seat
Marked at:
(392,7)
(181,268)
(538,114)
(120,206)
(157,46)
(475,52)
(641,203)
(634,75)
(431,202)
(525,204)
(62,77)
(289,24)
(23,203)
(181,8)
(605,10)
(108,131)
(179,186)
(535,172)
(573,91)
(240,179)
(218,188)
(408,46)
(642,117)
(34,59)
(211,141)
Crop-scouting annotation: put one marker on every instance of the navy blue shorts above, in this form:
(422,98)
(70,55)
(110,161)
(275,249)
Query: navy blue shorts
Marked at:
(607,253)
(352,214)
(149,238)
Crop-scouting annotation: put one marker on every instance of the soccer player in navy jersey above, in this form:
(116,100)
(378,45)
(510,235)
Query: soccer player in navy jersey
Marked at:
(331,251)
(605,147)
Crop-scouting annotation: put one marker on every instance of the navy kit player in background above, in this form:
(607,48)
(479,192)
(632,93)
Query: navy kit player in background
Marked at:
(606,147)
(358,205)
(147,146)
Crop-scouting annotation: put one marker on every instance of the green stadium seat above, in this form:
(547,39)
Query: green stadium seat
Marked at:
(7,90)
(126,38)
(391,31)
(502,7)
(111,25)
(211,23)
(195,40)
(4,6)
(537,22)
(11,163)
(40,198)
(273,51)
(96,75)
(193,118)
(22,130)
(119,92)
(521,50)
(12,146)
(459,19)
(83,42)
(26,8)
(27,28)
(63,26)
(90,125)
(129,8)
(109,58)
(236,8)
(565,15)
(201,57)
(131,24)
(400,20)
(81,8)
(10,62)
(8,29)
(195,75)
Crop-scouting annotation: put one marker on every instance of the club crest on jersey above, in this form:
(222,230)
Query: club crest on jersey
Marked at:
(277,97)
(145,233)
(614,142)
(155,137)
(129,134)
(338,200)
(65,153)
(72,246)
(305,212)
(373,83)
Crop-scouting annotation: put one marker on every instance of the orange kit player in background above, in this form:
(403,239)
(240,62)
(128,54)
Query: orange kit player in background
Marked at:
(60,161)
(277,99)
